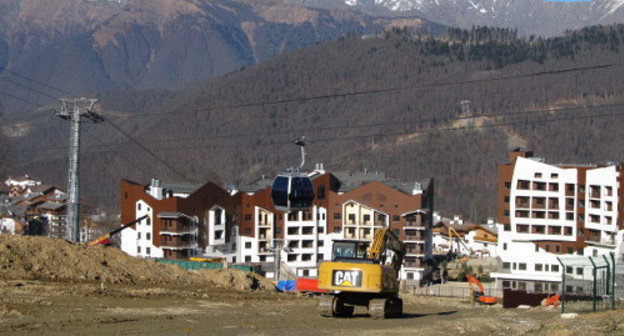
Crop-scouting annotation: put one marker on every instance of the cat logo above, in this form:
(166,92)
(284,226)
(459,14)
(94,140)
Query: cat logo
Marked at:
(347,278)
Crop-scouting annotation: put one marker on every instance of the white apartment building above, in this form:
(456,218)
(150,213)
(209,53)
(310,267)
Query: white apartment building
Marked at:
(548,211)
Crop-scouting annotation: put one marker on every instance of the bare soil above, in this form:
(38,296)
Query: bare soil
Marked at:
(55,308)
(51,287)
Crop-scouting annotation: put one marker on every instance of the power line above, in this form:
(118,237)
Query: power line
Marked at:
(113,125)
(346,126)
(152,154)
(26,87)
(119,156)
(20,99)
(3,69)
(381,135)
(376,91)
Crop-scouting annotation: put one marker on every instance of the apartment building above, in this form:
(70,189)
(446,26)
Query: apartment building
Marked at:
(183,220)
(243,226)
(550,210)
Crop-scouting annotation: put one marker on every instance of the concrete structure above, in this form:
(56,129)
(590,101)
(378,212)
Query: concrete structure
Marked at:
(549,210)
(242,225)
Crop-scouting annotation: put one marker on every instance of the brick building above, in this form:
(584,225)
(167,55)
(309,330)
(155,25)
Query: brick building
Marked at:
(243,226)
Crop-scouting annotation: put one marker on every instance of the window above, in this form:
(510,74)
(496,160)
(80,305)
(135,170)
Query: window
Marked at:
(247,217)
(247,258)
(515,266)
(320,256)
(554,175)
(569,216)
(148,236)
(506,265)
(321,243)
(553,186)
(248,231)
(541,186)
(138,235)
(396,218)
(569,270)
(579,271)
(554,268)
(138,206)
(320,192)
(506,198)
(523,185)
(522,228)
(126,195)
(504,246)
(506,213)
(247,245)
(366,218)
(554,287)
(337,215)
(321,229)
(536,248)
(337,229)
(219,234)
(538,175)
(567,231)
(557,248)
(278,230)
(306,257)
(539,267)
(507,185)
(139,249)
(147,251)
(609,191)
(522,266)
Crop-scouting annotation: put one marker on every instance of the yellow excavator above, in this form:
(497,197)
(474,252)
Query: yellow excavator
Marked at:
(363,273)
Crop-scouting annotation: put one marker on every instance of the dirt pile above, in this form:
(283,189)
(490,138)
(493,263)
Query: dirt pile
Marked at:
(42,258)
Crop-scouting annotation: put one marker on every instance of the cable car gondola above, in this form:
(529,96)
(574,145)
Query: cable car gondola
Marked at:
(292,190)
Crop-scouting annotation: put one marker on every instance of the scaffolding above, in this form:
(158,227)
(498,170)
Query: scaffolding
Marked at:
(588,283)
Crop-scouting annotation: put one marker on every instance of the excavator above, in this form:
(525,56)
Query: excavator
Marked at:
(478,293)
(363,275)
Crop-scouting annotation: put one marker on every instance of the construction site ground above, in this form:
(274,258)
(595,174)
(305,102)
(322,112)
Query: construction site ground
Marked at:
(53,308)
(52,287)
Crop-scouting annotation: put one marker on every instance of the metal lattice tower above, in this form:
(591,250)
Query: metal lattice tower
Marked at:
(75,110)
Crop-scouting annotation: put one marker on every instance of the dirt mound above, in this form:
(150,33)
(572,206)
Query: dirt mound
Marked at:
(237,280)
(42,258)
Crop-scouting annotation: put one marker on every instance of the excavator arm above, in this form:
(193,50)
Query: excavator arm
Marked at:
(102,240)
(384,240)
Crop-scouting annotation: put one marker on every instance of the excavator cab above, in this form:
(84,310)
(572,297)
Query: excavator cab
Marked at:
(349,250)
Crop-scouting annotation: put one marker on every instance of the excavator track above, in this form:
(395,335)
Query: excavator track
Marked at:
(385,308)
(326,305)
(379,308)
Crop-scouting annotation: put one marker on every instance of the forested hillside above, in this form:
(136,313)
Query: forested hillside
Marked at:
(408,125)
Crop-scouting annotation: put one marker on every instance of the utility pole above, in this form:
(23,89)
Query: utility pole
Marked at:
(74,110)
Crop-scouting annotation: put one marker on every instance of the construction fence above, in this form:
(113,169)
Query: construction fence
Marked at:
(451,289)
(196,265)
(590,284)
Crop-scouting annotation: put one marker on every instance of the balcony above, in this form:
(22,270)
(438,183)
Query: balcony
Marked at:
(179,230)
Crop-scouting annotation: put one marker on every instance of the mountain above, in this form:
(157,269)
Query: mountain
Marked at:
(88,46)
(537,17)
(227,127)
